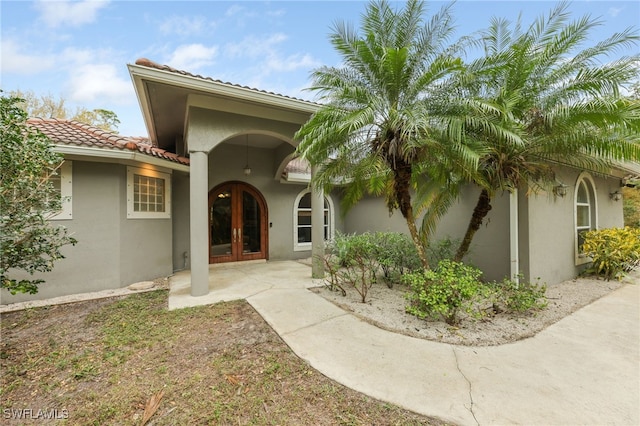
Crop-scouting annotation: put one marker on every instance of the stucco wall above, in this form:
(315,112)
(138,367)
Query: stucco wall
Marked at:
(112,251)
(180,219)
(490,247)
(550,254)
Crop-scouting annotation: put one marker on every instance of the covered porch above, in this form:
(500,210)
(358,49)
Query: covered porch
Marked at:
(234,204)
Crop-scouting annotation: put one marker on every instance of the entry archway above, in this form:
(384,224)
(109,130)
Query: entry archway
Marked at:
(238,223)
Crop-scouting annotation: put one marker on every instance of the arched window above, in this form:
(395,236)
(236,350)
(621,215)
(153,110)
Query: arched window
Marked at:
(302,221)
(586,217)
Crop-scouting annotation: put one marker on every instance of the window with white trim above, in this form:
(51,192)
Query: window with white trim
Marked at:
(148,194)
(63,183)
(586,217)
(302,221)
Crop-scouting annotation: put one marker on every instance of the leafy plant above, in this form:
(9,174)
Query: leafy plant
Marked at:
(395,253)
(29,242)
(351,261)
(631,206)
(442,249)
(444,291)
(613,251)
(516,296)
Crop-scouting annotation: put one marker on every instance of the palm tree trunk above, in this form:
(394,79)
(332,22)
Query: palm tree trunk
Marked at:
(402,183)
(483,206)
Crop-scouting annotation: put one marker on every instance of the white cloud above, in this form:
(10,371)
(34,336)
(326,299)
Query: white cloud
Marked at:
(253,47)
(99,82)
(184,26)
(15,61)
(235,10)
(290,63)
(614,11)
(191,57)
(68,13)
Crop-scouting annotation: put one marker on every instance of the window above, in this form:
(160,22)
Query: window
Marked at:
(62,182)
(148,194)
(586,217)
(302,221)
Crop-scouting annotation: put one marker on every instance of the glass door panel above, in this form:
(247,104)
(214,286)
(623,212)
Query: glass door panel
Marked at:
(238,219)
(251,224)
(221,217)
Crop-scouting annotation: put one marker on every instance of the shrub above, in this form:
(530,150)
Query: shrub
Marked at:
(440,250)
(613,251)
(443,292)
(396,254)
(511,296)
(351,261)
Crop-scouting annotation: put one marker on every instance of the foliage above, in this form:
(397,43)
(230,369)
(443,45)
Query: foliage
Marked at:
(631,206)
(453,289)
(516,296)
(395,253)
(355,260)
(351,261)
(442,249)
(538,96)
(46,106)
(28,241)
(443,291)
(385,110)
(613,251)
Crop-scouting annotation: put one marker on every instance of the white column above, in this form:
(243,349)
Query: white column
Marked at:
(317,229)
(198,211)
(513,234)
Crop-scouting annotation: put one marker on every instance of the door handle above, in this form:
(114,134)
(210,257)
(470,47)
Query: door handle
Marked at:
(240,234)
(234,235)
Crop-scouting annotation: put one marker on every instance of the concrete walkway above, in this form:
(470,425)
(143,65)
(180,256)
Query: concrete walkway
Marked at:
(583,370)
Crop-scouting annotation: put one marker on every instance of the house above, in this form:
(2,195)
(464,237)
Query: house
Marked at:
(217,181)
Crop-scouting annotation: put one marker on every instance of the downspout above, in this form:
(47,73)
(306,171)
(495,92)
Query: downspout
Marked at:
(513,235)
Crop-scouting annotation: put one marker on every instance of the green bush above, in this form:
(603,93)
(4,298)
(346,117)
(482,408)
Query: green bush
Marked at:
(511,296)
(443,292)
(395,253)
(613,251)
(351,261)
(440,250)
(454,288)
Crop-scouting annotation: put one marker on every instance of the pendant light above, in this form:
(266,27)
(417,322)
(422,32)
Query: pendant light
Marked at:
(247,169)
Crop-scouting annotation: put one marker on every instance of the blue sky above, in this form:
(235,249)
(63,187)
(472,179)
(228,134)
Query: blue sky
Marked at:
(78,50)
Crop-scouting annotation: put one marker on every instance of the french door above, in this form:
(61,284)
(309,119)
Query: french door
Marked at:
(237,223)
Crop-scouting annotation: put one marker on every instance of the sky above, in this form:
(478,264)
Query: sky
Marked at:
(79,50)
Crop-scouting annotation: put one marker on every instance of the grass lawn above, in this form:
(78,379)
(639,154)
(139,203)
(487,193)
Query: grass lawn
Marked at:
(101,362)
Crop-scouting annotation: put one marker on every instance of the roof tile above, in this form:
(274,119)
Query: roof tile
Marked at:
(70,132)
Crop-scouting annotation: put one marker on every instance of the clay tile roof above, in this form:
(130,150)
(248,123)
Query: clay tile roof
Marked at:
(70,132)
(150,64)
(298,165)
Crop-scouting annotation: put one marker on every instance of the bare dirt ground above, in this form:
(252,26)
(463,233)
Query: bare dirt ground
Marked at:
(385,309)
(100,362)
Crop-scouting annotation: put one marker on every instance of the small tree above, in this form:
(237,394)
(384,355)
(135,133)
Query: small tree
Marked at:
(48,106)
(29,242)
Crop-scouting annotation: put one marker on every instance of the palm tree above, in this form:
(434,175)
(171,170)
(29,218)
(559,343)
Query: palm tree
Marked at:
(382,109)
(535,98)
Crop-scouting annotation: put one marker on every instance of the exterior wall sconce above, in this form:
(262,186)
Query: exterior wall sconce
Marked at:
(616,196)
(560,190)
(247,169)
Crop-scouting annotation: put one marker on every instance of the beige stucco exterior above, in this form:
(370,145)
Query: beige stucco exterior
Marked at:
(112,250)
(222,128)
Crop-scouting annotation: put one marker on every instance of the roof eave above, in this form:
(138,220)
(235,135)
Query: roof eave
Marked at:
(118,155)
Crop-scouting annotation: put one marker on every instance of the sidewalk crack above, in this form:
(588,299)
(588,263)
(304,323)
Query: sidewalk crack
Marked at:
(455,355)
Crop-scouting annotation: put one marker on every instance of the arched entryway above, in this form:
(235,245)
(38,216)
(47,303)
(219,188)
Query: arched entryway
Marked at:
(238,221)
